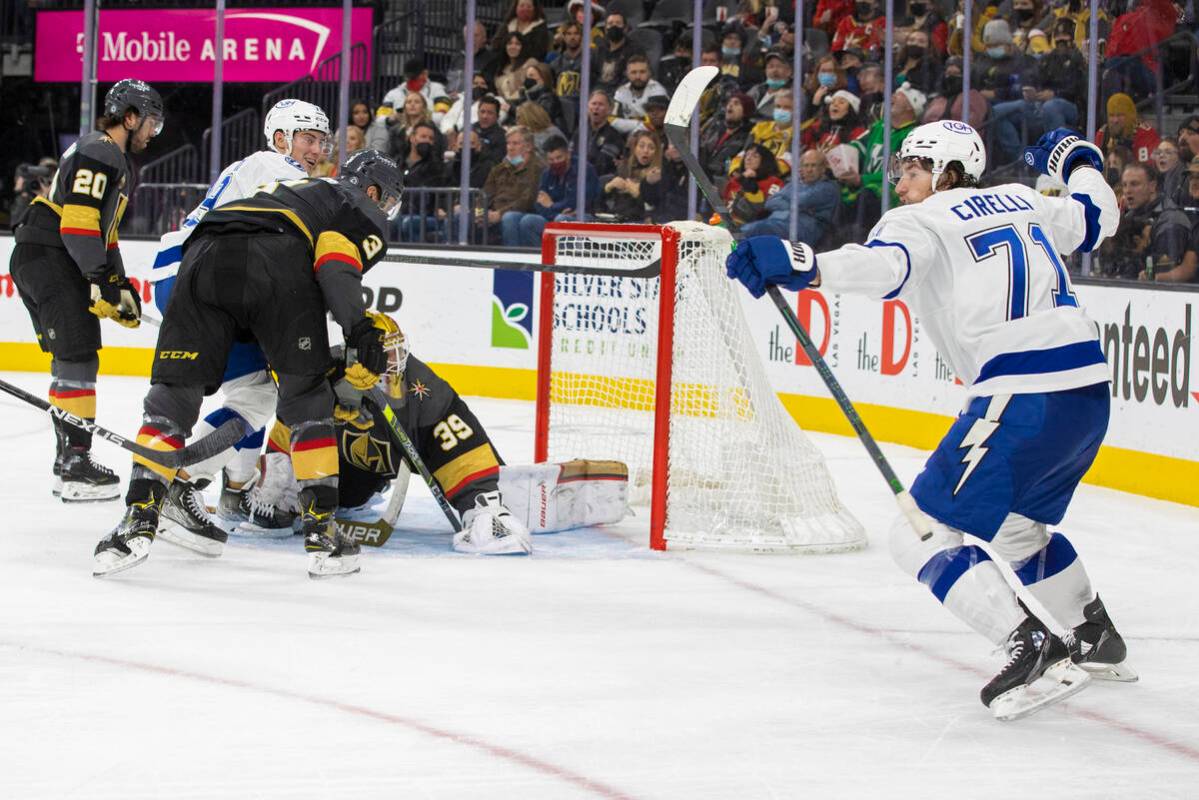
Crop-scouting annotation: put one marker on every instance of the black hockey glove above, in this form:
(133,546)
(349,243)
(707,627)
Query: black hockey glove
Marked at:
(113,297)
(365,346)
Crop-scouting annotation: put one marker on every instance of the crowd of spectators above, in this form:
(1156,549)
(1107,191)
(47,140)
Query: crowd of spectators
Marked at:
(1029,75)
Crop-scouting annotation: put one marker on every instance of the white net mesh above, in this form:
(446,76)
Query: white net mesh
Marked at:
(741,473)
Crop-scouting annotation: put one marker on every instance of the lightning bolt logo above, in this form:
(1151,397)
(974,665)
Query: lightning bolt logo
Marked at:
(976,438)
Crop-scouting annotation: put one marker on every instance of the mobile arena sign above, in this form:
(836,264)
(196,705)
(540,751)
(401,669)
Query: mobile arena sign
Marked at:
(261,45)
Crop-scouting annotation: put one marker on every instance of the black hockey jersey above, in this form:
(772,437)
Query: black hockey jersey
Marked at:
(342,226)
(86,202)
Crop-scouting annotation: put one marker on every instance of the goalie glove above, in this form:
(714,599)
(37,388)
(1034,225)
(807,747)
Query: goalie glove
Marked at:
(1059,152)
(113,297)
(762,261)
(490,529)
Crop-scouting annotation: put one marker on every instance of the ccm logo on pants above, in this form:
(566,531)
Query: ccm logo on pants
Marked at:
(178,355)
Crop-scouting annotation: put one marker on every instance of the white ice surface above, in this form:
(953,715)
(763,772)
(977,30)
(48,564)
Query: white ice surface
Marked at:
(594,668)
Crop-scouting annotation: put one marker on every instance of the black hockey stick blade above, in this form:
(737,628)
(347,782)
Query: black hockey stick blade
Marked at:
(678,122)
(379,400)
(228,434)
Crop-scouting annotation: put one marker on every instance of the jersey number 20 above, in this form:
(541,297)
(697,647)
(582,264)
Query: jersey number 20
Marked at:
(985,244)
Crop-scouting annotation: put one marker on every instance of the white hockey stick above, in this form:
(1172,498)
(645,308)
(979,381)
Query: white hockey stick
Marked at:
(678,124)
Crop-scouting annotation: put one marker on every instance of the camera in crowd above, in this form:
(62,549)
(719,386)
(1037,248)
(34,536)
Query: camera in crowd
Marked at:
(33,179)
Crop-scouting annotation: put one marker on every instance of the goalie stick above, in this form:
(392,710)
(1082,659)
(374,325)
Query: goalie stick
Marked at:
(379,400)
(678,122)
(228,434)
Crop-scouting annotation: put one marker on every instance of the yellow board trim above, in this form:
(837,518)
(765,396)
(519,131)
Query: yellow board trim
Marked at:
(1149,474)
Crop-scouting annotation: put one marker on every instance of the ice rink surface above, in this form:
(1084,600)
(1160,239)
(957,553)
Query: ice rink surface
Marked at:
(594,668)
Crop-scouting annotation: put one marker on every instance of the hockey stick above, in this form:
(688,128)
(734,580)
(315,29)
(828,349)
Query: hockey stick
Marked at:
(678,123)
(228,434)
(375,533)
(379,400)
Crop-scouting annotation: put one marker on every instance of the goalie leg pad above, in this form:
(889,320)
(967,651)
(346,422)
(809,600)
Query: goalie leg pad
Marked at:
(573,494)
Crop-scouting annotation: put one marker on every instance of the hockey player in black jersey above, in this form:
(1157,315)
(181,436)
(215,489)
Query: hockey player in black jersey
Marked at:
(269,267)
(67,268)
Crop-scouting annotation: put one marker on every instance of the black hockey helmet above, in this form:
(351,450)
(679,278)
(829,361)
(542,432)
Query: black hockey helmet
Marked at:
(131,93)
(371,168)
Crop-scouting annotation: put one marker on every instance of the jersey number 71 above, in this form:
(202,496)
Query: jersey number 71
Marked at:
(985,244)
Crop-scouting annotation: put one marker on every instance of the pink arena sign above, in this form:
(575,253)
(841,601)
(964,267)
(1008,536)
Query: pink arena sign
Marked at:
(262,45)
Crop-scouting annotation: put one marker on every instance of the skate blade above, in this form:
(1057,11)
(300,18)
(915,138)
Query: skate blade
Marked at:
(1067,679)
(255,532)
(57,490)
(507,546)
(71,493)
(182,537)
(1121,673)
(322,566)
(107,567)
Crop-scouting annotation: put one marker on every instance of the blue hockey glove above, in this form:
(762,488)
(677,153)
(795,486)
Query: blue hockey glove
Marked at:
(1059,151)
(762,261)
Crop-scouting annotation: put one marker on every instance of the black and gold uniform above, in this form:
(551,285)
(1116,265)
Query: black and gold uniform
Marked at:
(447,435)
(67,267)
(268,268)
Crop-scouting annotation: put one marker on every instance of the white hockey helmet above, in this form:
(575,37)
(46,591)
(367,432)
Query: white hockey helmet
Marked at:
(292,115)
(943,142)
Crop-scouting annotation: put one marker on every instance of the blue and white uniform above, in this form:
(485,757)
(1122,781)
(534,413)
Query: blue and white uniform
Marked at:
(248,389)
(981,268)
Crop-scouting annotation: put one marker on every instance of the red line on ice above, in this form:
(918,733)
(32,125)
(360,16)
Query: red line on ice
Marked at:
(505,753)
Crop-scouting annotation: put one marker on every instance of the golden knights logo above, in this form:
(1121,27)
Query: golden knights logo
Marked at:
(366,452)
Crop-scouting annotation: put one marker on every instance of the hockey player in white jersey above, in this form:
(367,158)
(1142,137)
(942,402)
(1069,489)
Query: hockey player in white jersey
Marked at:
(981,268)
(297,136)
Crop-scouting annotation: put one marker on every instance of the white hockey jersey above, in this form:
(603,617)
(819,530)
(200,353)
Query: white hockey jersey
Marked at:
(240,180)
(981,269)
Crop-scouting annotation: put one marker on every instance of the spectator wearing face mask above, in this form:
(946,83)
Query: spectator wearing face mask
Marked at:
(863,28)
(826,79)
(778,76)
(924,16)
(538,88)
(416,81)
(738,63)
(725,135)
(527,18)
(423,167)
(613,54)
(557,195)
(1002,71)
(774,134)
(948,102)
(918,64)
(1125,129)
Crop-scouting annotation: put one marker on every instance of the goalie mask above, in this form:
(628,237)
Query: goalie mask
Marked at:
(292,116)
(395,344)
(937,145)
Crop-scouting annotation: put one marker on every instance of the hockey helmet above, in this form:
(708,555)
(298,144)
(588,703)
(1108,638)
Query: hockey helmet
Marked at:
(293,115)
(133,94)
(367,168)
(943,143)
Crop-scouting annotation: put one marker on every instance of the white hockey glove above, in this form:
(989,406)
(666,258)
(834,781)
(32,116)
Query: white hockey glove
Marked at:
(490,529)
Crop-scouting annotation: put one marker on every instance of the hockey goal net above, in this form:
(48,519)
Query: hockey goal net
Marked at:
(644,356)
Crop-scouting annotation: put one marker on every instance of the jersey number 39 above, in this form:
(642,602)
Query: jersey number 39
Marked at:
(1021,258)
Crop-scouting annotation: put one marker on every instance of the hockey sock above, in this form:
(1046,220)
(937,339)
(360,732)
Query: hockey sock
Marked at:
(1056,577)
(969,584)
(240,468)
(158,433)
(314,454)
(73,389)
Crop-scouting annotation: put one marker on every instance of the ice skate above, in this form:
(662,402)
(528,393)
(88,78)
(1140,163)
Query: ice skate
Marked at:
(185,521)
(233,507)
(129,542)
(82,480)
(1098,648)
(331,554)
(490,529)
(270,508)
(1033,652)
